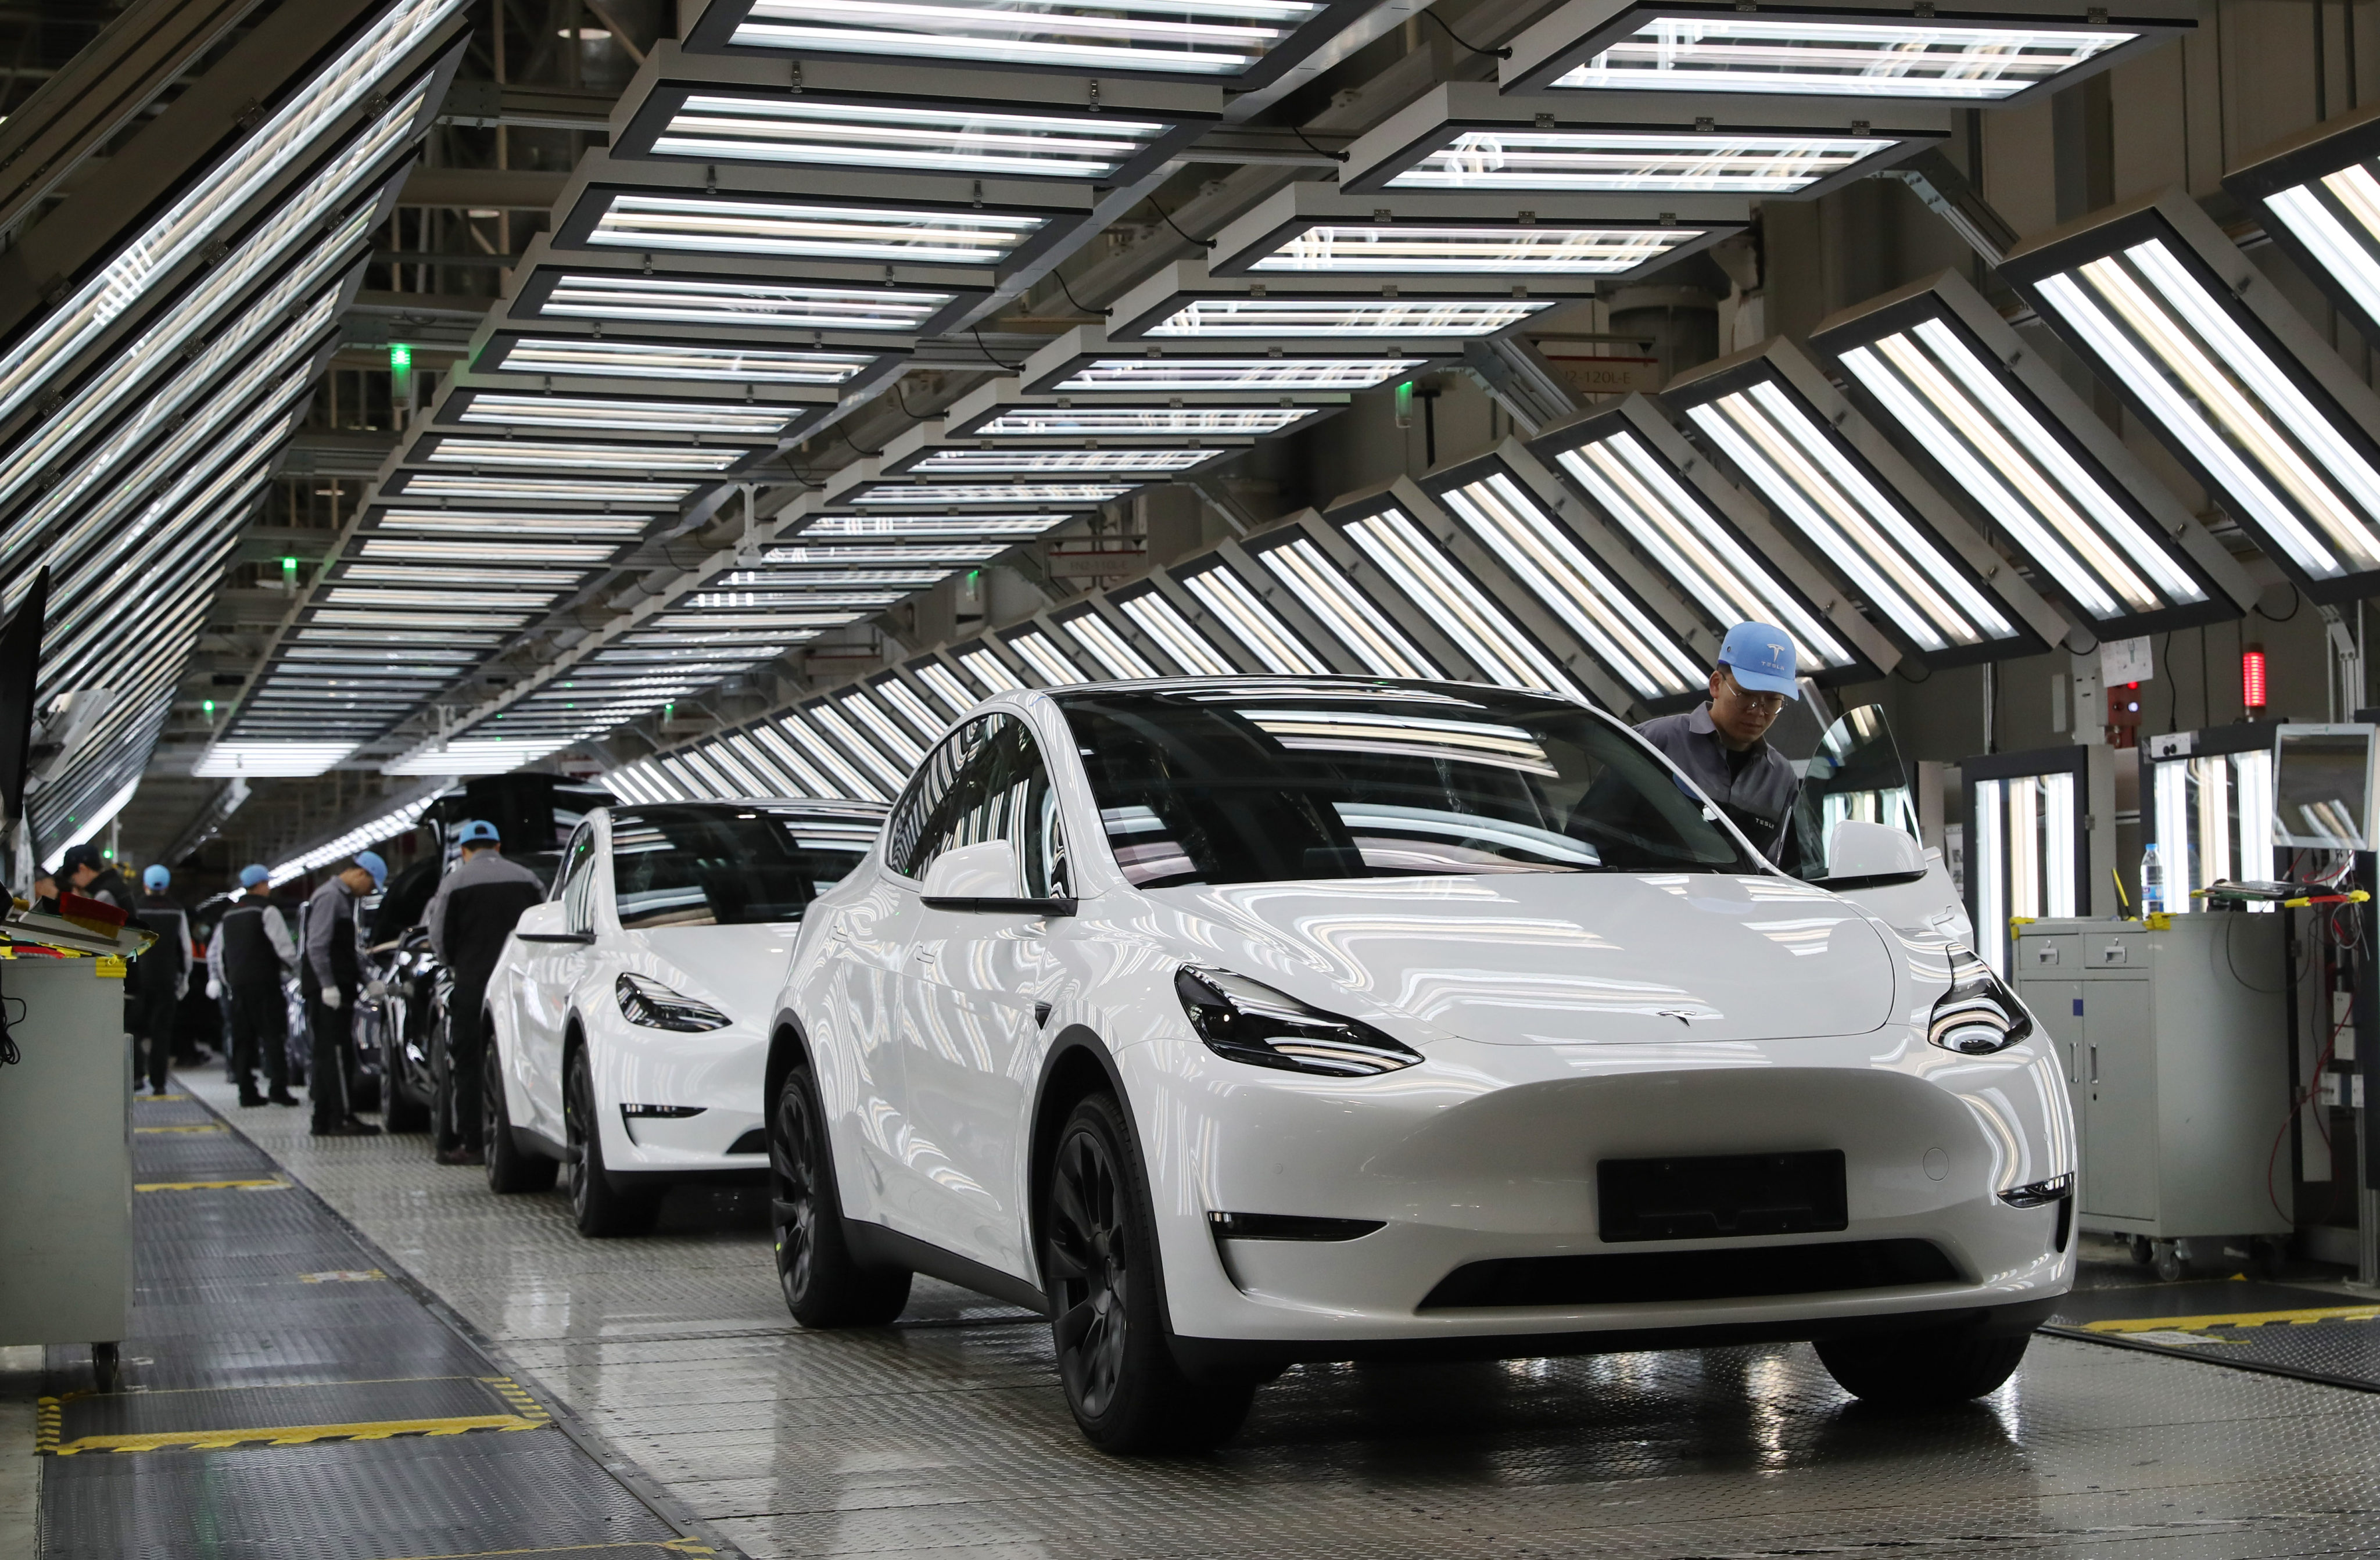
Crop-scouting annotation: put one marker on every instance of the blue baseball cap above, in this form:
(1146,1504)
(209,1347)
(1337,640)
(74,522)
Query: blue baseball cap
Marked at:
(370,861)
(155,880)
(1760,659)
(252,875)
(479,831)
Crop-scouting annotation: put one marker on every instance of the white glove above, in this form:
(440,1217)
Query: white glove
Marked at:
(330,997)
(214,989)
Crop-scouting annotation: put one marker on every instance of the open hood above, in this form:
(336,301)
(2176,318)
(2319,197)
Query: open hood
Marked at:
(1557,957)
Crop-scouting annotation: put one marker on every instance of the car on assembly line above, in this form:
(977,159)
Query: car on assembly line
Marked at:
(1239,1023)
(628,1015)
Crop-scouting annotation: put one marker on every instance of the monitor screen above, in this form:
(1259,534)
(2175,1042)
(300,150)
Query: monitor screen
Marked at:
(2323,787)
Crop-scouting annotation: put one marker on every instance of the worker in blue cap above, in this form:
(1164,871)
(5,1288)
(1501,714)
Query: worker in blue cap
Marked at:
(469,919)
(1723,747)
(248,958)
(331,974)
(161,976)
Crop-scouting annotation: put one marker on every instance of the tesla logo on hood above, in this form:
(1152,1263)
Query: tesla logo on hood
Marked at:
(1683,1015)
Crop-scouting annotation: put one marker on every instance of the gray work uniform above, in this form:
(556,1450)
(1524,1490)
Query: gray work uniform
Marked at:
(1757,796)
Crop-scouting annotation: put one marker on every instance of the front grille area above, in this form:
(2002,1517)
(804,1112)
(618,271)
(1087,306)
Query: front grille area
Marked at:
(1647,1277)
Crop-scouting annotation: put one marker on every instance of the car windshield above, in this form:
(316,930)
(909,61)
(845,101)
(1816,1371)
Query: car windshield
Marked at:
(727,865)
(1272,784)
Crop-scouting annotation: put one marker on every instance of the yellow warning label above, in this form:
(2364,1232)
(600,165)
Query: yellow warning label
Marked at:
(2237,1319)
(109,966)
(209,1186)
(288,1436)
(199,1128)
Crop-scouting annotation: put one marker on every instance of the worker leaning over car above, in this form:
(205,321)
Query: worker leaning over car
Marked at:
(469,917)
(1723,747)
(331,976)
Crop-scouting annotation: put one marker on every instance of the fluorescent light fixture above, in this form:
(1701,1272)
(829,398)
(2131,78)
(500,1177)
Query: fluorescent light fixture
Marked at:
(509,583)
(1313,229)
(1358,624)
(725,127)
(2318,194)
(1464,136)
(944,685)
(1275,644)
(942,495)
(1244,41)
(887,771)
(543,490)
(798,554)
(1111,649)
(1832,493)
(1182,302)
(1128,422)
(881,728)
(1188,375)
(1841,50)
(903,700)
(758,227)
(870,527)
(988,670)
(1538,551)
(1957,387)
(474,755)
(504,524)
(733,302)
(737,421)
(1158,618)
(1048,663)
(410,549)
(230,759)
(2256,404)
(848,780)
(1628,464)
(1453,602)
(631,359)
(501,454)
(187,226)
(994,461)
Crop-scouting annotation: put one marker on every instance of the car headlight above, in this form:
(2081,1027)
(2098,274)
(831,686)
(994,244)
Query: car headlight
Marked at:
(1979,1015)
(650,1003)
(1252,1022)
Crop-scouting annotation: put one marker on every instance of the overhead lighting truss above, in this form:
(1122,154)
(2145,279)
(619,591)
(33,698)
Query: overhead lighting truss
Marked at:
(912,118)
(2009,51)
(1463,136)
(1108,649)
(576,413)
(1708,540)
(1315,229)
(1856,506)
(1000,410)
(2207,351)
(1369,633)
(1083,362)
(782,305)
(1959,392)
(2318,194)
(1184,303)
(432,486)
(680,359)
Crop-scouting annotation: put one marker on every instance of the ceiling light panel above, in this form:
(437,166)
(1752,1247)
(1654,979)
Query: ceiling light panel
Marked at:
(410,549)
(2319,197)
(661,460)
(883,732)
(929,496)
(1994,55)
(956,697)
(925,138)
(1463,136)
(887,771)
(800,554)
(1226,319)
(1452,601)
(1104,421)
(848,780)
(870,527)
(1829,492)
(1538,549)
(793,761)
(757,227)
(1110,649)
(231,759)
(688,361)
(1955,385)
(904,701)
(2170,311)
(1162,621)
(1245,43)
(1630,465)
(543,490)
(729,421)
(1229,602)
(1340,607)
(1312,229)
(989,671)
(1045,660)
(504,523)
(736,303)
(997,461)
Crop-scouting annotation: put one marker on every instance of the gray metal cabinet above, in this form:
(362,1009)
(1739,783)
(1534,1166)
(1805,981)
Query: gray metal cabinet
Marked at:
(2176,1054)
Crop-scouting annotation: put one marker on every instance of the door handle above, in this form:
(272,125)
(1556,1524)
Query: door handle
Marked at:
(923,955)
(2094,1064)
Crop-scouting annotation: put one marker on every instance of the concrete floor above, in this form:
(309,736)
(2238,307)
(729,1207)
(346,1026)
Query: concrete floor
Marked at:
(947,1435)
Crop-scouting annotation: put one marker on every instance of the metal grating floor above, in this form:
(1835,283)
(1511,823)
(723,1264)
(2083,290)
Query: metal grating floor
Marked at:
(946,1433)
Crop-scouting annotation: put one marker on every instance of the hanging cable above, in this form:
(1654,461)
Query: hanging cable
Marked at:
(871,454)
(988,357)
(1459,43)
(1070,294)
(1202,242)
(1334,156)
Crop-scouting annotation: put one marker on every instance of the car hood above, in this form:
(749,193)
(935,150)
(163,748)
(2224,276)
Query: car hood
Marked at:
(1555,958)
(736,969)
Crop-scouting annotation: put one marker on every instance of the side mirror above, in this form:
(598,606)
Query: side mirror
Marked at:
(985,877)
(1868,851)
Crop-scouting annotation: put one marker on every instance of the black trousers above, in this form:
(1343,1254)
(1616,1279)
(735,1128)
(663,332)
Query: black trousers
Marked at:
(457,1113)
(330,1071)
(150,1016)
(259,1031)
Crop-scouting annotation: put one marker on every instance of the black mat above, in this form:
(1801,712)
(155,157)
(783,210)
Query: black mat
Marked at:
(2281,1329)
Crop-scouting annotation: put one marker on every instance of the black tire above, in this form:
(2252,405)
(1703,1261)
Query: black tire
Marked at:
(825,1287)
(601,1209)
(1099,1256)
(404,1113)
(509,1169)
(2143,1252)
(1927,1368)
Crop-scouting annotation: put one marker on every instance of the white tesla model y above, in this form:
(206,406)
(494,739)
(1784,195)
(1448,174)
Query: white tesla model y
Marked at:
(1241,1022)
(628,1015)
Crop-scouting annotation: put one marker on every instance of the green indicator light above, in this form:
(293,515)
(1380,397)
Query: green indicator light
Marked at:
(289,565)
(400,357)
(1404,403)
(207,706)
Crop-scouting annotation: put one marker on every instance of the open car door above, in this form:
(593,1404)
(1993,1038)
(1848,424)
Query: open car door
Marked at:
(1855,830)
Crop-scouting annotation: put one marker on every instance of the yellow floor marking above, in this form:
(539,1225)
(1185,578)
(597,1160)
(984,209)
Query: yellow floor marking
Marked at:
(156,1099)
(666,1546)
(344,1276)
(273,1185)
(2244,1319)
(208,1128)
(293,1435)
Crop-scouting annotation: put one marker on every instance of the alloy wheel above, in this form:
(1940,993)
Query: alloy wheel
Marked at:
(1088,1267)
(577,1125)
(793,1190)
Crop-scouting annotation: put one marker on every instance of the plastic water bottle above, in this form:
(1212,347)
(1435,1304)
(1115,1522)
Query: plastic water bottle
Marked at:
(2152,882)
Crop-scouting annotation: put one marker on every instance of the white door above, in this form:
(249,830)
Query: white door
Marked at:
(550,979)
(975,982)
